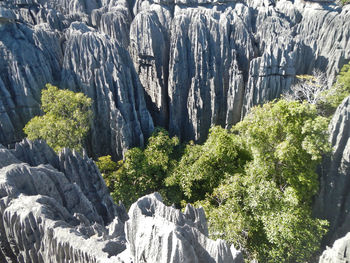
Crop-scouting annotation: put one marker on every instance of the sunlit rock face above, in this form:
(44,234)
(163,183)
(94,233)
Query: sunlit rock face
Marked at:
(338,252)
(185,65)
(56,208)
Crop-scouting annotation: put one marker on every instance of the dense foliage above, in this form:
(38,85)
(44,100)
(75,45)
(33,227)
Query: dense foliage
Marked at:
(255,181)
(203,167)
(143,171)
(339,91)
(66,119)
(107,167)
(266,209)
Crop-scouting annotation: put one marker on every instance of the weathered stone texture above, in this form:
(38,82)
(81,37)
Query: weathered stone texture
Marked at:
(333,201)
(157,233)
(184,65)
(58,209)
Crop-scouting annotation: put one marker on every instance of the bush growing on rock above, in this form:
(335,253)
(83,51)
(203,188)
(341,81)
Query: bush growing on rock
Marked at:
(144,171)
(66,119)
(339,91)
(309,88)
(107,167)
(315,90)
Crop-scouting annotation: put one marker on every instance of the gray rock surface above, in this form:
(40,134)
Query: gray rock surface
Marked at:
(43,46)
(333,200)
(56,208)
(157,233)
(102,69)
(185,65)
(30,58)
(199,63)
(338,253)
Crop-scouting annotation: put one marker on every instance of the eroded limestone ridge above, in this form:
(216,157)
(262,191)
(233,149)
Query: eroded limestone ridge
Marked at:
(182,64)
(333,200)
(56,208)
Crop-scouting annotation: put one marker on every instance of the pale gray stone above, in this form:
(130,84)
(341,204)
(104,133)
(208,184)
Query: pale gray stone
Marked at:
(338,253)
(60,211)
(158,233)
(185,65)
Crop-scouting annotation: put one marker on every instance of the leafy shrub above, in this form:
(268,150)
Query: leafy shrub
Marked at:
(266,209)
(66,119)
(144,171)
(107,167)
(203,167)
(339,91)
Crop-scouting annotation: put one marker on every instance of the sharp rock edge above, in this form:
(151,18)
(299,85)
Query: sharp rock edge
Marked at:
(185,65)
(333,200)
(56,208)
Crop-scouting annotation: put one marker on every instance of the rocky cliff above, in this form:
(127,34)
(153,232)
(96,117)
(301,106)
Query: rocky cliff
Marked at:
(57,209)
(333,200)
(181,64)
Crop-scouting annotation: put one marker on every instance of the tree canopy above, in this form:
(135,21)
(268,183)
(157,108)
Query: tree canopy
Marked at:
(266,209)
(143,171)
(66,119)
(255,181)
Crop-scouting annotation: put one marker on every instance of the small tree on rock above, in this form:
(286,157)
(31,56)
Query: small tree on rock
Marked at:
(66,119)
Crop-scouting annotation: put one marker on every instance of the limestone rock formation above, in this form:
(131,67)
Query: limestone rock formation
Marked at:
(101,68)
(185,65)
(333,201)
(157,233)
(30,58)
(56,208)
(338,253)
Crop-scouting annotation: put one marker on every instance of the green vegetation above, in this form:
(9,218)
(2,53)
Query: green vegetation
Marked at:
(255,181)
(203,167)
(107,168)
(339,91)
(143,171)
(266,209)
(66,119)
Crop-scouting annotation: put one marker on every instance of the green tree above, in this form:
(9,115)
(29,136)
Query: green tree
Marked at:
(340,90)
(288,140)
(266,209)
(143,171)
(256,182)
(66,119)
(107,167)
(203,167)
